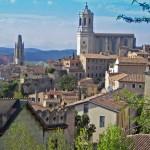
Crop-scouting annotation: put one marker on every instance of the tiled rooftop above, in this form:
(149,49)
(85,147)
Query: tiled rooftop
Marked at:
(138,78)
(141,141)
(100,56)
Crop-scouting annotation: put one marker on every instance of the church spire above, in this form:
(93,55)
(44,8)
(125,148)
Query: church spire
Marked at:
(86,5)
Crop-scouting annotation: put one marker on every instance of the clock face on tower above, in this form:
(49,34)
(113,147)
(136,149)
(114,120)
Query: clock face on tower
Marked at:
(83,45)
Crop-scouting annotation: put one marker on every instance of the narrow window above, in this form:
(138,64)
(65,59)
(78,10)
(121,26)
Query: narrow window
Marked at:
(80,22)
(133,86)
(84,21)
(86,108)
(89,21)
(102,121)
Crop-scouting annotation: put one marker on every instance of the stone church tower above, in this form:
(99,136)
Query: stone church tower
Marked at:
(90,42)
(19,52)
(85,34)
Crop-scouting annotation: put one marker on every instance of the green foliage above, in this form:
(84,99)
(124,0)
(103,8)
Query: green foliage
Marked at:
(144,120)
(145,7)
(82,141)
(141,104)
(114,139)
(19,138)
(18,95)
(7,88)
(83,122)
(67,82)
(57,141)
(50,70)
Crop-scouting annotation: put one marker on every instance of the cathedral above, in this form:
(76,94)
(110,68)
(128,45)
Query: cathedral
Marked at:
(90,42)
(19,52)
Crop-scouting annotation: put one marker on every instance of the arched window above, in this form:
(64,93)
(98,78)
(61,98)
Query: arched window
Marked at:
(84,21)
(89,21)
(80,22)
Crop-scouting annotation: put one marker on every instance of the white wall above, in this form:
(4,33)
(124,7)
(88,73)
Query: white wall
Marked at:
(94,114)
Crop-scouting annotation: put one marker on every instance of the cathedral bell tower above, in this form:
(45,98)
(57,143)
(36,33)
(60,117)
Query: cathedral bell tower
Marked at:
(19,51)
(85,34)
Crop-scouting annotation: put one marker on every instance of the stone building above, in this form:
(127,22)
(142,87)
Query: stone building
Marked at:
(132,82)
(73,67)
(103,111)
(95,65)
(19,52)
(129,65)
(90,42)
(147,84)
(87,87)
(39,121)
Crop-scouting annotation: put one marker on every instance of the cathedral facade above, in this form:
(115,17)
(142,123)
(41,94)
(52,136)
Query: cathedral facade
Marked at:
(90,42)
(19,51)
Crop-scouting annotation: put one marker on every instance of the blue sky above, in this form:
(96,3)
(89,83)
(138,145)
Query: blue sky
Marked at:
(52,24)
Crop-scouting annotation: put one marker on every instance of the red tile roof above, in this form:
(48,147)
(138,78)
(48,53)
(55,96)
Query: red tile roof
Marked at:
(141,141)
(128,60)
(136,78)
(104,100)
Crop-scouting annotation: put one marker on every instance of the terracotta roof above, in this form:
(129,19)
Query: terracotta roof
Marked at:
(103,100)
(129,60)
(86,81)
(141,141)
(138,78)
(117,76)
(37,107)
(99,56)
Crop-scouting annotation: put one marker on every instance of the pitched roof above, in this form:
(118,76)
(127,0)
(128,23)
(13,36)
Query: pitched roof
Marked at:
(6,105)
(103,100)
(99,56)
(129,60)
(86,81)
(141,141)
(136,78)
(117,76)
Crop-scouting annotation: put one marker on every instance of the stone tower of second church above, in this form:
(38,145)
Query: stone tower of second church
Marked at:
(19,52)
(85,34)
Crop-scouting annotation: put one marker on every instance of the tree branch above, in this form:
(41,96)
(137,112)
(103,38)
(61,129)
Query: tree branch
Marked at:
(145,7)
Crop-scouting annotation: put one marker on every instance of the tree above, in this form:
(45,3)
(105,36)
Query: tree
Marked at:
(145,7)
(114,139)
(83,122)
(7,88)
(141,104)
(18,95)
(19,138)
(67,82)
(82,141)
(50,70)
(144,118)
(57,141)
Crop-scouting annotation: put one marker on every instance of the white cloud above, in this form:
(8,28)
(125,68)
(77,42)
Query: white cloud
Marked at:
(50,32)
(37,31)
